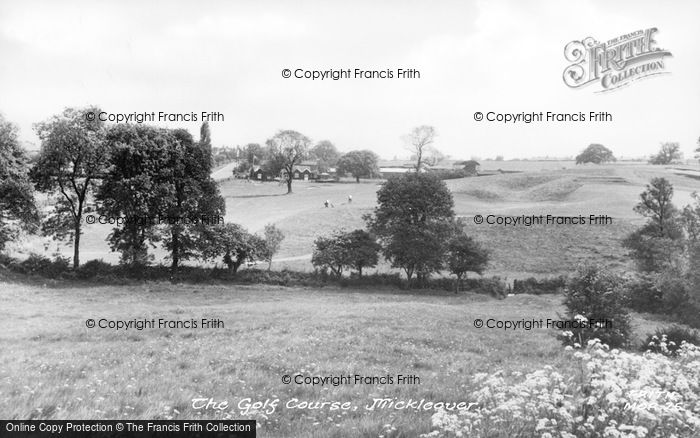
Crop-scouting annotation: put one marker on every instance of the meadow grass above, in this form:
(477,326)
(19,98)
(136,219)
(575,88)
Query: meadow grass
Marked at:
(53,367)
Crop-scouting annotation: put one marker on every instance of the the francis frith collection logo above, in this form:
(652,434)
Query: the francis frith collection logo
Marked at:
(614,63)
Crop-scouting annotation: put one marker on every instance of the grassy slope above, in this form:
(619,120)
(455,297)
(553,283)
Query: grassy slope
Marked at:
(51,366)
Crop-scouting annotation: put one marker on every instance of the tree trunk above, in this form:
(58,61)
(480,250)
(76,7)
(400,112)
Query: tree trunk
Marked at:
(176,250)
(357,179)
(76,246)
(269,264)
(289,185)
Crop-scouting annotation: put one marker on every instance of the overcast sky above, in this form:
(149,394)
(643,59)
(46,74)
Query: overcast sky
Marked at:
(227,56)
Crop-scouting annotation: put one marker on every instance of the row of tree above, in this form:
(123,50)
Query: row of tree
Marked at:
(287,149)
(414,227)
(156,181)
(668,153)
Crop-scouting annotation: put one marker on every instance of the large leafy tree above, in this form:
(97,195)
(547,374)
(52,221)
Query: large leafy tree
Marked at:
(193,202)
(668,153)
(17,207)
(414,219)
(359,164)
(253,154)
(287,149)
(356,249)
(464,254)
(234,244)
(135,187)
(596,154)
(73,158)
(326,153)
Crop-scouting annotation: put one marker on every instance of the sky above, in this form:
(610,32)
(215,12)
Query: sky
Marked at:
(228,57)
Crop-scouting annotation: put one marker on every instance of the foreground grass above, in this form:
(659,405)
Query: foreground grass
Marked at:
(53,367)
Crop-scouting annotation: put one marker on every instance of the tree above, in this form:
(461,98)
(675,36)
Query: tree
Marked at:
(656,246)
(655,204)
(326,153)
(419,141)
(17,207)
(668,153)
(356,249)
(414,219)
(690,216)
(330,253)
(136,186)
(362,250)
(464,254)
(73,157)
(273,239)
(288,148)
(205,142)
(360,164)
(253,154)
(595,153)
(698,149)
(234,244)
(193,202)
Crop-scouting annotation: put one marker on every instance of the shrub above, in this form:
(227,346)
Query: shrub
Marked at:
(595,306)
(675,291)
(95,268)
(37,264)
(668,340)
(690,315)
(643,294)
(493,286)
(534,286)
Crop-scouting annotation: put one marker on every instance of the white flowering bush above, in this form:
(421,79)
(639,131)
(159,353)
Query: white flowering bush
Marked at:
(609,393)
(595,303)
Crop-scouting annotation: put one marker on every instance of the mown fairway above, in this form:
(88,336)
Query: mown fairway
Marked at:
(53,367)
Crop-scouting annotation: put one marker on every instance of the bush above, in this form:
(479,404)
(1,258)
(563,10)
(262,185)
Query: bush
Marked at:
(538,287)
(595,304)
(37,264)
(690,315)
(675,291)
(493,286)
(668,340)
(643,294)
(95,268)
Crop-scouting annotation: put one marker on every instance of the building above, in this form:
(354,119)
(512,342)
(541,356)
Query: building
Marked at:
(395,167)
(471,167)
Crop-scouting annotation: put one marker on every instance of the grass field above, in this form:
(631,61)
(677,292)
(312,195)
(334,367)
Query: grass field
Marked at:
(542,187)
(53,367)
